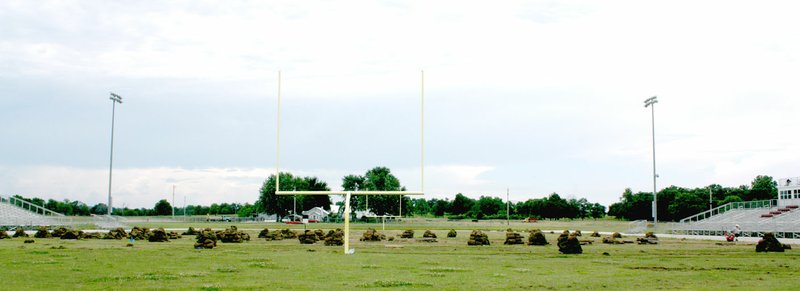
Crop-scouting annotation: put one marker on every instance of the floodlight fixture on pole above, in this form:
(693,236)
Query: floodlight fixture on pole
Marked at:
(114,100)
(650,102)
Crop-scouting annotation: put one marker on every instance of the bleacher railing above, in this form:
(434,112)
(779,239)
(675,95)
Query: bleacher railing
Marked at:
(46,217)
(29,206)
(730,206)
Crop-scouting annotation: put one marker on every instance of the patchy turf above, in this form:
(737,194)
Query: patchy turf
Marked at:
(400,264)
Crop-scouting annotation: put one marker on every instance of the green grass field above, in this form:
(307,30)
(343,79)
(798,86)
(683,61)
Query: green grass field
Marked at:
(404,264)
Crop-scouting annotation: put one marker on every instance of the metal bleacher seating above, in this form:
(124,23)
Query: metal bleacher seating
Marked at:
(18,212)
(754,219)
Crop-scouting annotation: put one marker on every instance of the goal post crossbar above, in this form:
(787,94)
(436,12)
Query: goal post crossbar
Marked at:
(348,194)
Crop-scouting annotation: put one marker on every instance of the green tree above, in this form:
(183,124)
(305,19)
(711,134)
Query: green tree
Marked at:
(597,211)
(439,206)
(487,206)
(687,204)
(99,209)
(763,188)
(375,179)
(282,204)
(311,201)
(461,205)
(730,199)
(163,207)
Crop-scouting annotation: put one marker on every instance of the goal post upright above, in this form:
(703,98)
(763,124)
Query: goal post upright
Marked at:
(278,141)
(348,194)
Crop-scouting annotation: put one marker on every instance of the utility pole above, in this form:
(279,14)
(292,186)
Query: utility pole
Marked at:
(508,209)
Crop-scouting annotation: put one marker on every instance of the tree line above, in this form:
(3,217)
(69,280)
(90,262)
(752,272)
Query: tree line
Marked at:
(676,203)
(381,179)
(162,207)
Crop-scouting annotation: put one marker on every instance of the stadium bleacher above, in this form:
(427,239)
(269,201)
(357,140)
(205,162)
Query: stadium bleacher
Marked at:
(754,219)
(17,212)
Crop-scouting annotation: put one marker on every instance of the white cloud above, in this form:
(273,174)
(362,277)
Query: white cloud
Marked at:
(550,89)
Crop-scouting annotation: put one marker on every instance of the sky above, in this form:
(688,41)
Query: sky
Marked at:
(535,97)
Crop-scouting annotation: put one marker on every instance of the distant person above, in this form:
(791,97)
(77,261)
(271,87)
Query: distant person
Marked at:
(736,230)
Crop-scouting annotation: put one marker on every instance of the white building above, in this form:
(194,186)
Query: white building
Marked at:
(316,213)
(789,192)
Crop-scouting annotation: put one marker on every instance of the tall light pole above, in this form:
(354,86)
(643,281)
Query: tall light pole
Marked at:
(710,200)
(173,201)
(114,100)
(650,102)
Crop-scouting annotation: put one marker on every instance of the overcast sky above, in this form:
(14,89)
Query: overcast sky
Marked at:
(535,96)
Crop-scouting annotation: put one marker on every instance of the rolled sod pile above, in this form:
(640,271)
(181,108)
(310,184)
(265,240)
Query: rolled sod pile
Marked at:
(513,238)
(334,237)
(307,237)
(42,233)
(190,231)
(117,233)
(158,235)
(429,234)
(264,233)
(71,234)
(408,233)
(91,235)
(569,244)
(478,238)
(174,235)
(648,239)
(206,239)
(320,234)
(19,232)
(452,233)
(139,233)
(287,233)
(58,232)
(537,238)
(274,235)
(232,235)
(769,243)
(372,235)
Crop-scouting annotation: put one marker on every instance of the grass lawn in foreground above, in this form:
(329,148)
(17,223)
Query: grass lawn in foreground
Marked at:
(446,264)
